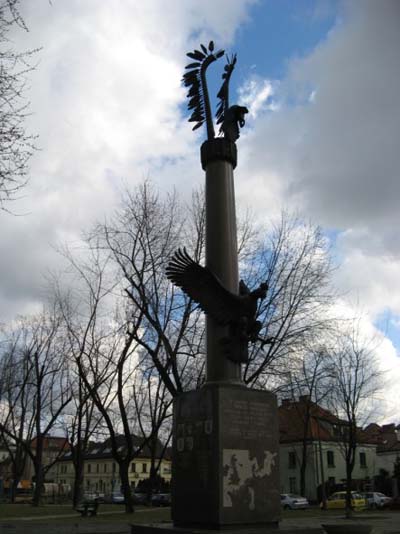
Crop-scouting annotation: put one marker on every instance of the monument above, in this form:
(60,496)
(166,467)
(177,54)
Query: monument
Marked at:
(225,435)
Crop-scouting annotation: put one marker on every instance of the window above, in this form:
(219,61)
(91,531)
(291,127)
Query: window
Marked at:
(89,468)
(97,468)
(113,467)
(292,485)
(133,467)
(292,460)
(105,468)
(330,457)
(363,459)
(144,468)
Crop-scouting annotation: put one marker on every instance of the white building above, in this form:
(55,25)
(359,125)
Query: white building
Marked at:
(304,424)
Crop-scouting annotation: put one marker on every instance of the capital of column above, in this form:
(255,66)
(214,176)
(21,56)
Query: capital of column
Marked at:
(218,149)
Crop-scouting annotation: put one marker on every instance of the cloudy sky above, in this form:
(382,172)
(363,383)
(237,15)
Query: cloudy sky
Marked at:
(321,79)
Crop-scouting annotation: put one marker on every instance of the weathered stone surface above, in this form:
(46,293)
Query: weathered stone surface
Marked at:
(225,457)
(349,527)
(168,528)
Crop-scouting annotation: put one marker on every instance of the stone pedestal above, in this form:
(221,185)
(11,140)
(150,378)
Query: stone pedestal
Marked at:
(225,458)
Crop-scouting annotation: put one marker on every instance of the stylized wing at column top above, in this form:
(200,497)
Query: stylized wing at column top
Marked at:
(204,288)
(195,79)
(223,93)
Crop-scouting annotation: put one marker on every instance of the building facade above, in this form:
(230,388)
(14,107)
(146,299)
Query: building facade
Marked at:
(101,470)
(387,454)
(305,425)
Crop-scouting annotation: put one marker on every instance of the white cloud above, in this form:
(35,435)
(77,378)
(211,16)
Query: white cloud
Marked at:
(106,100)
(256,94)
(330,150)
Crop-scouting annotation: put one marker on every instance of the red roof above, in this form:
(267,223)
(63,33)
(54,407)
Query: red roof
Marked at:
(387,436)
(322,425)
(52,443)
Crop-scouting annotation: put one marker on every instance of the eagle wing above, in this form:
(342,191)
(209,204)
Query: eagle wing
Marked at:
(204,288)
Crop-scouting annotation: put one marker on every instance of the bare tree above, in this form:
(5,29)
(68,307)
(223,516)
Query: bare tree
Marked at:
(81,296)
(80,424)
(309,378)
(294,259)
(153,404)
(43,378)
(356,381)
(16,145)
(15,406)
(103,333)
(141,239)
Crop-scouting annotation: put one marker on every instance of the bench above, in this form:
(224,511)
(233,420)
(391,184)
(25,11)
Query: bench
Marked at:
(87,508)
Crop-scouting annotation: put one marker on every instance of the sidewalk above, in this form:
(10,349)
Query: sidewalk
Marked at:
(382,523)
(385,523)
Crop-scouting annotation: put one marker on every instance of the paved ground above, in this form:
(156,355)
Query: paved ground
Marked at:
(384,523)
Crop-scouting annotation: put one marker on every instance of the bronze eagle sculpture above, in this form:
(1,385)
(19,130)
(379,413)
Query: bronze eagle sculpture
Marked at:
(225,307)
(230,118)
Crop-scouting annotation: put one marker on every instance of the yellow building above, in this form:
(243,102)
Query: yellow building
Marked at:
(101,473)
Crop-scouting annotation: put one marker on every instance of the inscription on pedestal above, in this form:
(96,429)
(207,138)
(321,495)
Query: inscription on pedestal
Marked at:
(247,419)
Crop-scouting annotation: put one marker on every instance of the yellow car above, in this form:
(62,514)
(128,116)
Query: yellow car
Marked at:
(338,500)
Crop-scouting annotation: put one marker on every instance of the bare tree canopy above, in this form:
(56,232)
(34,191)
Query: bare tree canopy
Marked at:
(355,381)
(293,257)
(16,145)
(37,389)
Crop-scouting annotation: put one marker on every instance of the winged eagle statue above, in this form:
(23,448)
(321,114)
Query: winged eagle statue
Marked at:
(229,117)
(226,308)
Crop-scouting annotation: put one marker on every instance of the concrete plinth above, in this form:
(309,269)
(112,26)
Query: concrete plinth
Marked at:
(168,528)
(225,458)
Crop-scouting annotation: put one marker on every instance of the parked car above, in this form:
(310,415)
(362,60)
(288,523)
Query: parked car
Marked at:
(290,501)
(161,499)
(377,500)
(338,501)
(116,497)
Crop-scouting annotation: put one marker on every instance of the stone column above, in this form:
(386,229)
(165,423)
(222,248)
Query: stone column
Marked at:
(218,159)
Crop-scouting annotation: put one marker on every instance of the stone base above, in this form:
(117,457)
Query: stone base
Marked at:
(225,458)
(350,527)
(169,528)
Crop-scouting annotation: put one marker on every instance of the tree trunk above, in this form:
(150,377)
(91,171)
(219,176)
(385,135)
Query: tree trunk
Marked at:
(39,479)
(349,508)
(126,488)
(13,489)
(321,460)
(303,467)
(78,483)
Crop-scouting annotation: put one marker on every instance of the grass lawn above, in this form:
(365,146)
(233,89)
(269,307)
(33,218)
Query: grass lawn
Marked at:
(107,512)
